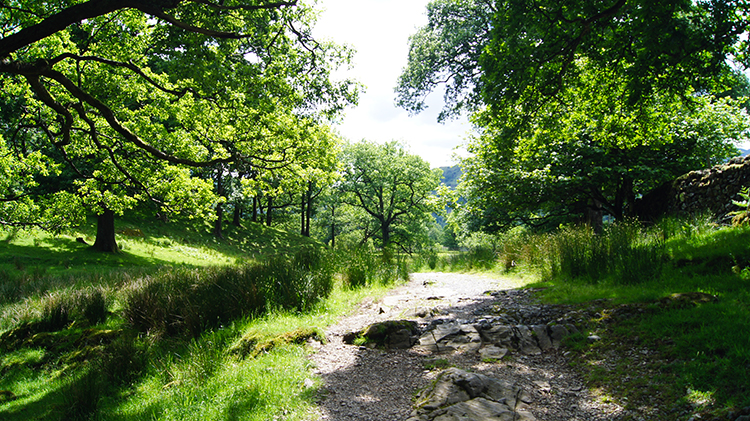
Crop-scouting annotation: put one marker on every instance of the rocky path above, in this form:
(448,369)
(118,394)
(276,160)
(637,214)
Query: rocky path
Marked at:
(476,356)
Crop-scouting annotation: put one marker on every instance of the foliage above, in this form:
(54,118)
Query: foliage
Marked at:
(589,154)
(106,105)
(392,187)
(580,107)
(512,54)
(447,52)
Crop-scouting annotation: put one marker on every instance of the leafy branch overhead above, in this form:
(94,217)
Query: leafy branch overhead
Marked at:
(522,53)
(122,98)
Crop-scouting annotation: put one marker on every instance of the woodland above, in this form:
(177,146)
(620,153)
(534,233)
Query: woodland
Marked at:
(170,176)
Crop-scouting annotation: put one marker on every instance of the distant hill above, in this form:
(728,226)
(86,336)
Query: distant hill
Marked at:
(451,176)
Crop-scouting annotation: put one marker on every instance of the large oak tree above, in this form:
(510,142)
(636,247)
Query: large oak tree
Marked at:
(581,105)
(391,186)
(123,98)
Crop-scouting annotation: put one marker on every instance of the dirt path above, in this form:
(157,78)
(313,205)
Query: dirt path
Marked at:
(372,385)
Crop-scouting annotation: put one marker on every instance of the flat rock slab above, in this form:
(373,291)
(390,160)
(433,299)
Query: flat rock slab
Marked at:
(458,395)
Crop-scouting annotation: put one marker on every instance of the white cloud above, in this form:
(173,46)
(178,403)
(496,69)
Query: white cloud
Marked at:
(379,31)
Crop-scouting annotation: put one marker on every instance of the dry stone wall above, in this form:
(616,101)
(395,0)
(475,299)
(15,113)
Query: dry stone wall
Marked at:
(710,190)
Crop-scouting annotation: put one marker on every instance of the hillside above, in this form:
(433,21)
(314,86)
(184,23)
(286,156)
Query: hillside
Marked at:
(451,176)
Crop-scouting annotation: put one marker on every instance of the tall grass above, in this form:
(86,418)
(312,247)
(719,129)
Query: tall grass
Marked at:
(361,266)
(189,301)
(622,254)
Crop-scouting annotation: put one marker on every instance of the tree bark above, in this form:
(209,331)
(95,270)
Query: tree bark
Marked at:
(385,230)
(254,216)
(269,211)
(333,226)
(303,213)
(220,206)
(105,233)
(217,224)
(309,208)
(237,214)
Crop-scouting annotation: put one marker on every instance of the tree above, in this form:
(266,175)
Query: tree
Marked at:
(580,106)
(390,185)
(589,154)
(126,97)
(523,52)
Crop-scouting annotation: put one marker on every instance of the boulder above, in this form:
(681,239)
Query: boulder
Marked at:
(389,334)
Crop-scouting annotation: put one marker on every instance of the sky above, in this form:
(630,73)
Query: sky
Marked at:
(379,31)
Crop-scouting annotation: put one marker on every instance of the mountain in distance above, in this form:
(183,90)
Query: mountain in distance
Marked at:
(451,176)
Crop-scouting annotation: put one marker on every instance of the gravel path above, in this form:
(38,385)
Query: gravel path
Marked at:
(372,385)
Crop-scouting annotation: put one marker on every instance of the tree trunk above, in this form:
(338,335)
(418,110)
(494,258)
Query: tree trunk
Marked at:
(268,211)
(218,222)
(302,214)
(333,226)
(385,231)
(594,216)
(219,206)
(105,233)
(309,209)
(254,216)
(237,214)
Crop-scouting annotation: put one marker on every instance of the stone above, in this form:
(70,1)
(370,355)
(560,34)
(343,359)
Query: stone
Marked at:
(458,395)
(557,334)
(497,334)
(526,342)
(390,334)
(542,338)
(492,352)
(480,409)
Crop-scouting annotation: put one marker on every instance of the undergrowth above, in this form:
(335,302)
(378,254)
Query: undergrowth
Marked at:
(182,342)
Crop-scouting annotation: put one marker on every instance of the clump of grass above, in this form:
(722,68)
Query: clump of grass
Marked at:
(56,311)
(188,301)
(621,254)
(361,266)
(81,395)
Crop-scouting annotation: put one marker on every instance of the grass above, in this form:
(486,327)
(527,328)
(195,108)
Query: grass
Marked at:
(682,355)
(70,347)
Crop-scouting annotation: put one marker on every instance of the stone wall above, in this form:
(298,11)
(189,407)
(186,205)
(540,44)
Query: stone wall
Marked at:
(710,190)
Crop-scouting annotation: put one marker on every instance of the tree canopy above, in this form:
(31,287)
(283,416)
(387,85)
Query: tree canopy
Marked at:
(392,187)
(590,154)
(581,106)
(523,53)
(118,100)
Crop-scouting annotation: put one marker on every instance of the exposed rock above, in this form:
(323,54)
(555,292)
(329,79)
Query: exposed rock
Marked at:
(389,334)
(493,352)
(458,395)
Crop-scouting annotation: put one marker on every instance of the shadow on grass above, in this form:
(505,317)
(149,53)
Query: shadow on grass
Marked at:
(62,255)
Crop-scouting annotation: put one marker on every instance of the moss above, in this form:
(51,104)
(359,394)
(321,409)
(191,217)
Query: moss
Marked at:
(254,343)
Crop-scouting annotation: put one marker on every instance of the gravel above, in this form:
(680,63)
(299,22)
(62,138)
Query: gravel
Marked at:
(372,385)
